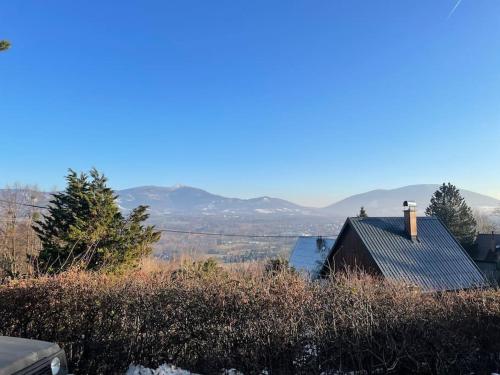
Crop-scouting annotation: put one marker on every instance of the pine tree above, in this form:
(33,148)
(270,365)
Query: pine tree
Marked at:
(449,206)
(84,226)
(4,45)
(362,212)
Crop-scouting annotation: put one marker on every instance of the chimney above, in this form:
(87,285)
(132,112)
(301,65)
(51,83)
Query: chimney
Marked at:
(410,211)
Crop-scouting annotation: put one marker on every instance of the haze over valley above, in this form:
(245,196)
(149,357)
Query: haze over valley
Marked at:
(190,209)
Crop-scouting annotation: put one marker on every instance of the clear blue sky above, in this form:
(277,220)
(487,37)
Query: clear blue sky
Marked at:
(305,100)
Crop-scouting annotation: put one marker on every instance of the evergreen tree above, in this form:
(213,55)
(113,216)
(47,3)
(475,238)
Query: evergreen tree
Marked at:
(84,226)
(4,45)
(449,206)
(362,212)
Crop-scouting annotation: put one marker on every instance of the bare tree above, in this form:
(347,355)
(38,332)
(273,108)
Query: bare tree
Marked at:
(484,222)
(18,241)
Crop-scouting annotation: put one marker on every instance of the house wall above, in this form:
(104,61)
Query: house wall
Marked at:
(352,254)
(490,270)
(486,244)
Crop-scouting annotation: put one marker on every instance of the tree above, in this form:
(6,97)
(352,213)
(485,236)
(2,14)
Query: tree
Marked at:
(85,227)
(277,265)
(484,223)
(4,45)
(362,212)
(449,206)
(18,242)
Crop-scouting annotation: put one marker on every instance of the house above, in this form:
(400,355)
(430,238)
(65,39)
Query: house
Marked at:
(310,254)
(418,251)
(486,254)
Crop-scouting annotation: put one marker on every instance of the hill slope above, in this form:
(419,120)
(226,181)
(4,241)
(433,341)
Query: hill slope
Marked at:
(192,201)
(390,202)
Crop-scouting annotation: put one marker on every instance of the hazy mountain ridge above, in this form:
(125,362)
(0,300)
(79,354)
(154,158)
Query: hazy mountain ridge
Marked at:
(381,202)
(191,201)
(389,202)
(188,200)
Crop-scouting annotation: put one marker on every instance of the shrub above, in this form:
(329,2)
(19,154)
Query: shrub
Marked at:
(277,265)
(254,321)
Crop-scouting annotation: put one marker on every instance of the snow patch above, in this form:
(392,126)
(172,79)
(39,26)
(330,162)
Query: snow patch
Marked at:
(263,211)
(166,369)
(162,370)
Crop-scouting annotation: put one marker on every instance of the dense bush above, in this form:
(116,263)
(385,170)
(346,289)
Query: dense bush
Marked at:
(206,321)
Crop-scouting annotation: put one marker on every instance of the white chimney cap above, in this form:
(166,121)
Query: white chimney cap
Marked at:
(409,204)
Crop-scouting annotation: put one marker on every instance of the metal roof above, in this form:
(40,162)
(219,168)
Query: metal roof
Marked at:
(310,253)
(434,262)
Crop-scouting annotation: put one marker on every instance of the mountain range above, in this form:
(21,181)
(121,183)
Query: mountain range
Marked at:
(187,200)
(390,202)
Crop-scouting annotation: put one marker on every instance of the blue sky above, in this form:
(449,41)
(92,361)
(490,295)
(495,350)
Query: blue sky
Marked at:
(305,100)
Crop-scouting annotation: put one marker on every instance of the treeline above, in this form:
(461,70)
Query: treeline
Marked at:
(81,227)
(19,244)
(205,318)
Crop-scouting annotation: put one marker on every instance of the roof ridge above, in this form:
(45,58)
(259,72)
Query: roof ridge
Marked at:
(391,217)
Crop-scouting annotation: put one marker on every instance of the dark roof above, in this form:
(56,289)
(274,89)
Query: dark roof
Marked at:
(309,254)
(486,243)
(435,261)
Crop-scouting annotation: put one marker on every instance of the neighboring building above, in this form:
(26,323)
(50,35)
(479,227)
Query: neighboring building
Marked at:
(310,253)
(486,254)
(417,251)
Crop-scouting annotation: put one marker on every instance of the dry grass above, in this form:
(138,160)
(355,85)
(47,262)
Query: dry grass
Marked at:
(209,318)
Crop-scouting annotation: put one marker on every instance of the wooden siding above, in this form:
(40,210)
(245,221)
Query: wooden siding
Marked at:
(352,254)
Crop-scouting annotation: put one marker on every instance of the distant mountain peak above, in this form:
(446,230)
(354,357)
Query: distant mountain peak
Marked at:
(388,202)
(187,200)
(180,186)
